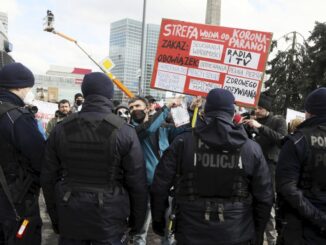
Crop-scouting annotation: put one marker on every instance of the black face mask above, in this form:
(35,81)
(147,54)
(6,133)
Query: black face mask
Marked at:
(79,102)
(138,116)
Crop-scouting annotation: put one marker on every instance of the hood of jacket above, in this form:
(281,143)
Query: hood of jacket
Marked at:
(218,130)
(7,96)
(97,103)
(313,121)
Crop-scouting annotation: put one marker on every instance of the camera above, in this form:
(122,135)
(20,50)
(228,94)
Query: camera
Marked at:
(252,132)
(245,115)
(48,21)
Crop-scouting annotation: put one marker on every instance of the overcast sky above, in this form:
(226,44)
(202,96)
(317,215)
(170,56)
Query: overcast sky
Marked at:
(88,21)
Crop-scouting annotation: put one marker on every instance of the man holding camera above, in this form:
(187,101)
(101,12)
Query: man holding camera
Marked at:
(271,130)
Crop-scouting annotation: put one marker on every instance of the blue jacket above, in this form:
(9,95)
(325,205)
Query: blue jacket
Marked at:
(154,139)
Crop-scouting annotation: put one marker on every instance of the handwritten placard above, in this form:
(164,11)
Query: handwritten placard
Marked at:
(194,58)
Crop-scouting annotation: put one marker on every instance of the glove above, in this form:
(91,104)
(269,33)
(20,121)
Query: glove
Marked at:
(158,228)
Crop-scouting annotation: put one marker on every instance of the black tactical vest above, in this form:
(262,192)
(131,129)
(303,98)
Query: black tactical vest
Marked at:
(216,174)
(89,159)
(13,163)
(314,168)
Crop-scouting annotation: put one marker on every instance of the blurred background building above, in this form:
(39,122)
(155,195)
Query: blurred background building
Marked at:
(125,46)
(5,45)
(59,83)
(213,12)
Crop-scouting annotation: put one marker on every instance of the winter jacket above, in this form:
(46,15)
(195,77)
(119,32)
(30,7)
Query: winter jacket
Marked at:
(87,215)
(308,207)
(22,149)
(244,220)
(271,133)
(155,139)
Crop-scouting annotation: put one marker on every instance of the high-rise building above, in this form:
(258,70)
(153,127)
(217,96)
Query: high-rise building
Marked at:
(4,21)
(125,48)
(213,12)
(5,45)
(153,32)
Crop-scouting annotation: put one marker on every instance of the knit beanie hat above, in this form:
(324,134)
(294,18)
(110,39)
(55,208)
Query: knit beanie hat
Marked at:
(16,75)
(265,102)
(97,83)
(315,102)
(219,99)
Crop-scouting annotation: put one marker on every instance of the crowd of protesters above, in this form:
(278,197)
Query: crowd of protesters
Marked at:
(110,170)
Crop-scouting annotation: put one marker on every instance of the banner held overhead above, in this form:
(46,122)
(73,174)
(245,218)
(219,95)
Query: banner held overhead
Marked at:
(195,58)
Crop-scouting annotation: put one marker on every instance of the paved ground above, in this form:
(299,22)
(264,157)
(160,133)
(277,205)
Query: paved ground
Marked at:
(50,238)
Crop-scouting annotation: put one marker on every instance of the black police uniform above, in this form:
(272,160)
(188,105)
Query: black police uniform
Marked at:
(22,148)
(94,176)
(223,189)
(301,185)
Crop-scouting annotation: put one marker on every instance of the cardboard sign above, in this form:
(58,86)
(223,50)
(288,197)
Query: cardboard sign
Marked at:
(292,114)
(46,111)
(195,58)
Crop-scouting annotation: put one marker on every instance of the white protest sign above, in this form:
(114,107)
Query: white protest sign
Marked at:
(292,114)
(46,111)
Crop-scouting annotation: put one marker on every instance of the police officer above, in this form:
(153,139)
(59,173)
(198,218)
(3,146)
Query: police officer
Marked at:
(94,176)
(300,177)
(21,149)
(223,189)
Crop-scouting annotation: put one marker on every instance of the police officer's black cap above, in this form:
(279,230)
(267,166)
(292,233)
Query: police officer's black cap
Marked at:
(315,102)
(219,99)
(97,83)
(16,75)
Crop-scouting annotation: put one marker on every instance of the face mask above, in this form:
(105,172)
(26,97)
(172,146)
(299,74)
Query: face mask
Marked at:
(138,116)
(124,114)
(29,98)
(79,102)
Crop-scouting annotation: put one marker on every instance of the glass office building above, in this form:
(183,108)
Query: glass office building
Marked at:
(125,48)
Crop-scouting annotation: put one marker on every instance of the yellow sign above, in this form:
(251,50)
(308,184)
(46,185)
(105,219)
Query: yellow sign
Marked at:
(107,64)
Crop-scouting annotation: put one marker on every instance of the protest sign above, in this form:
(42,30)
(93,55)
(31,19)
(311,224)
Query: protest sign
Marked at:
(46,111)
(195,58)
(292,114)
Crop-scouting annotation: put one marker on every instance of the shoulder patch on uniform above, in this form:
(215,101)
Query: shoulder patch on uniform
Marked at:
(5,107)
(295,138)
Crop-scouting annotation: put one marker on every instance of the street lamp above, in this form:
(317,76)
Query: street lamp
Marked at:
(142,49)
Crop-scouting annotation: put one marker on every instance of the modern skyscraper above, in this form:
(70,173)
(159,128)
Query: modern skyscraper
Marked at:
(5,45)
(125,46)
(213,12)
(4,21)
